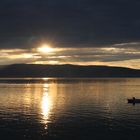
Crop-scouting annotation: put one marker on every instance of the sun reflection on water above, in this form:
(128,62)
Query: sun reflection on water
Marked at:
(46,105)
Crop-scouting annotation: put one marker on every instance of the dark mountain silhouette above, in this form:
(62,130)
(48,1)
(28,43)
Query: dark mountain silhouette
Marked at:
(33,70)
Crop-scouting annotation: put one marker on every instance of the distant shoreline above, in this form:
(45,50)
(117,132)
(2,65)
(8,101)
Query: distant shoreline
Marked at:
(47,78)
(66,71)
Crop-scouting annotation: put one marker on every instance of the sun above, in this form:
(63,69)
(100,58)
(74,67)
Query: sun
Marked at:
(45,49)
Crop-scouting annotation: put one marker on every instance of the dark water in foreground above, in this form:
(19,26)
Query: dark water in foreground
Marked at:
(63,109)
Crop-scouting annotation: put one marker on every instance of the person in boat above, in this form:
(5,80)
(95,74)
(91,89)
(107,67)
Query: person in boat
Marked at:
(133,98)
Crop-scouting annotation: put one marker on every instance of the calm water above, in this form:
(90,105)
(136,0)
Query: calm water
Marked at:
(47,109)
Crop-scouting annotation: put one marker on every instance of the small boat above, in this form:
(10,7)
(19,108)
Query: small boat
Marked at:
(133,100)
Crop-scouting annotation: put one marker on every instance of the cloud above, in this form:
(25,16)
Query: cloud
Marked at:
(82,31)
(69,22)
(111,55)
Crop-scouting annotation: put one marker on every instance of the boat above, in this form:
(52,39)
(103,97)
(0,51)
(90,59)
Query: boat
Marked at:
(133,100)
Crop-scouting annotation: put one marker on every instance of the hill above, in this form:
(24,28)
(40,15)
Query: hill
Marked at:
(35,70)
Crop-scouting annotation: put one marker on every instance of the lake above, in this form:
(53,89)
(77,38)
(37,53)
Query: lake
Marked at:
(63,109)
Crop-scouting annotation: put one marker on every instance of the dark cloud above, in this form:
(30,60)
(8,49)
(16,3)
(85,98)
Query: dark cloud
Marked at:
(69,23)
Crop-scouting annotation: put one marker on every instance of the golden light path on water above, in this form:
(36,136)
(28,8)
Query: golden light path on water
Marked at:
(46,105)
(48,102)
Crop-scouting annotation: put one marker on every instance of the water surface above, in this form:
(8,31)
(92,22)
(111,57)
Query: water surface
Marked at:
(41,109)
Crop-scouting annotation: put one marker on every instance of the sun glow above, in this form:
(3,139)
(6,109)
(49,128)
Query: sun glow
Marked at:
(45,49)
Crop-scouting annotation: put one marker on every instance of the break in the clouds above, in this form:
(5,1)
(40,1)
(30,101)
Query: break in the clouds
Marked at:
(82,31)
(127,55)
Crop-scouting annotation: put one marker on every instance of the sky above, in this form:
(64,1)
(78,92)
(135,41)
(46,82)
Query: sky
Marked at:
(83,32)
